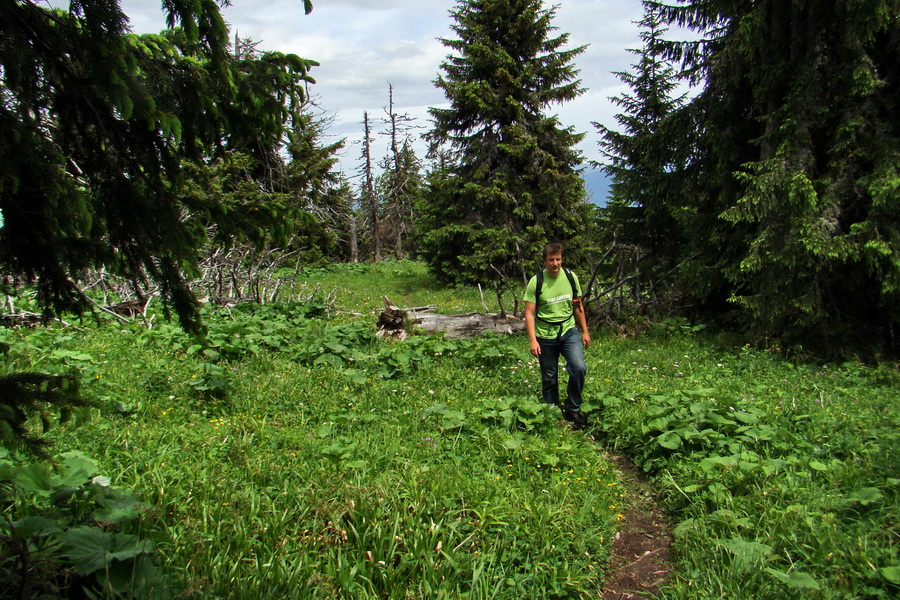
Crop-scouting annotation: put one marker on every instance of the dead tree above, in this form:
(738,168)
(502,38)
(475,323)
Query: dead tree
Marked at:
(399,323)
(369,200)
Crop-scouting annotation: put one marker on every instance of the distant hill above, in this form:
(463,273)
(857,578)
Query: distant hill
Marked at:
(597,184)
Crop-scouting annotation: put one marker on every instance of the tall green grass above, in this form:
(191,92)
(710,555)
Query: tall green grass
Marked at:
(782,475)
(298,456)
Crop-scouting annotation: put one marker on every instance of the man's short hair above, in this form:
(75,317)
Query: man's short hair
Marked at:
(552,248)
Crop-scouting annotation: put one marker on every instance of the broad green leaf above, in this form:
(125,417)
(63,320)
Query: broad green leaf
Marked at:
(71,354)
(550,460)
(91,549)
(684,528)
(655,412)
(866,495)
(745,417)
(356,376)
(698,408)
(746,553)
(78,469)
(453,419)
(891,573)
(36,477)
(118,512)
(795,579)
(718,419)
(669,440)
(337,348)
(34,526)
(513,443)
(713,462)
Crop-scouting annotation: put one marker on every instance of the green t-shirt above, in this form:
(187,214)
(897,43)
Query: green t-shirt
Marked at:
(555,304)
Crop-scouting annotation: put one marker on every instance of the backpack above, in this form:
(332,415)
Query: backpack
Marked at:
(537,295)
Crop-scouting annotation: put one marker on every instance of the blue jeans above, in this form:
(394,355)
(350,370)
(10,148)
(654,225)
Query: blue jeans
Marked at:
(569,346)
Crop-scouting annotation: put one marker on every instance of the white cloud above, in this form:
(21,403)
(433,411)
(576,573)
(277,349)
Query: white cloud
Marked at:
(363,45)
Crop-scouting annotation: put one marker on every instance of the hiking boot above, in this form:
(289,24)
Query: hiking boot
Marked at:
(577,419)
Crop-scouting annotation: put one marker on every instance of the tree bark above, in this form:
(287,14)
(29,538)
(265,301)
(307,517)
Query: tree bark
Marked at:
(400,323)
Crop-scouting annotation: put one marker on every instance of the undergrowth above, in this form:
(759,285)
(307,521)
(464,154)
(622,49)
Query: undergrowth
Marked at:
(296,455)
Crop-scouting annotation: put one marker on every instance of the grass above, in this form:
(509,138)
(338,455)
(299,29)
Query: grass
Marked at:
(299,456)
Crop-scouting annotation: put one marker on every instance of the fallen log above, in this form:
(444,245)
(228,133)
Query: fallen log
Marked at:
(399,323)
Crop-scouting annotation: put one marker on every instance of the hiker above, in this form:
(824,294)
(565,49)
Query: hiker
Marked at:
(553,308)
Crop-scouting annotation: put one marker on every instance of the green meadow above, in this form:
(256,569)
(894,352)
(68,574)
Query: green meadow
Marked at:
(297,455)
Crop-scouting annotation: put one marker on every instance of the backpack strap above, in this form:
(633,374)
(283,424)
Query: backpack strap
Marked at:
(540,282)
(571,284)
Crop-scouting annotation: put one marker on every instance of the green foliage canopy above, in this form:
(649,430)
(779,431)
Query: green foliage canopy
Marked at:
(800,110)
(783,195)
(511,182)
(97,124)
(642,162)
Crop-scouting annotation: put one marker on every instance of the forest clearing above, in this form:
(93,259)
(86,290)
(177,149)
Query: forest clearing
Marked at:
(299,456)
(200,399)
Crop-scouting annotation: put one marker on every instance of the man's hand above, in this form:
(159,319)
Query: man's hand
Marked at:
(585,339)
(535,349)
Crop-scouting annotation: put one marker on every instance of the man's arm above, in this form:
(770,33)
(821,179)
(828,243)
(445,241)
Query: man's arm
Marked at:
(582,322)
(530,310)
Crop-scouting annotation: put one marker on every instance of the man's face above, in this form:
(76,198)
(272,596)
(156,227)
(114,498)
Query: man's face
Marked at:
(553,263)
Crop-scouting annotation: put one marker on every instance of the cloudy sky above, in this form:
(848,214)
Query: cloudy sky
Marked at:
(363,45)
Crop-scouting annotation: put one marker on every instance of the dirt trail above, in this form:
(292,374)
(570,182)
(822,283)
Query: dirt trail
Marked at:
(641,560)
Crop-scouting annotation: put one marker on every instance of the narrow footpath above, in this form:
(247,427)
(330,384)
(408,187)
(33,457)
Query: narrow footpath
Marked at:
(641,561)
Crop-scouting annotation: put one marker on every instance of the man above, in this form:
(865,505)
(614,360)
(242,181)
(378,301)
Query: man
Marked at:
(552,310)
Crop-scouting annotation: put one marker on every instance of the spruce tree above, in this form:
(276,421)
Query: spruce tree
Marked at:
(794,216)
(513,181)
(642,161)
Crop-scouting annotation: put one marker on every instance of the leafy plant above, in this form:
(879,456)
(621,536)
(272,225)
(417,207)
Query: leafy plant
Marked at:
(68,532)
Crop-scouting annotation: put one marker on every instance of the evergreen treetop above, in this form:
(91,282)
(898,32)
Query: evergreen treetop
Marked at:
(512,181)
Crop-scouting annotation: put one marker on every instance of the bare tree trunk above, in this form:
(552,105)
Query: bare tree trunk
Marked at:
(369,190)
(395,158)
(354,244)
(398,323)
